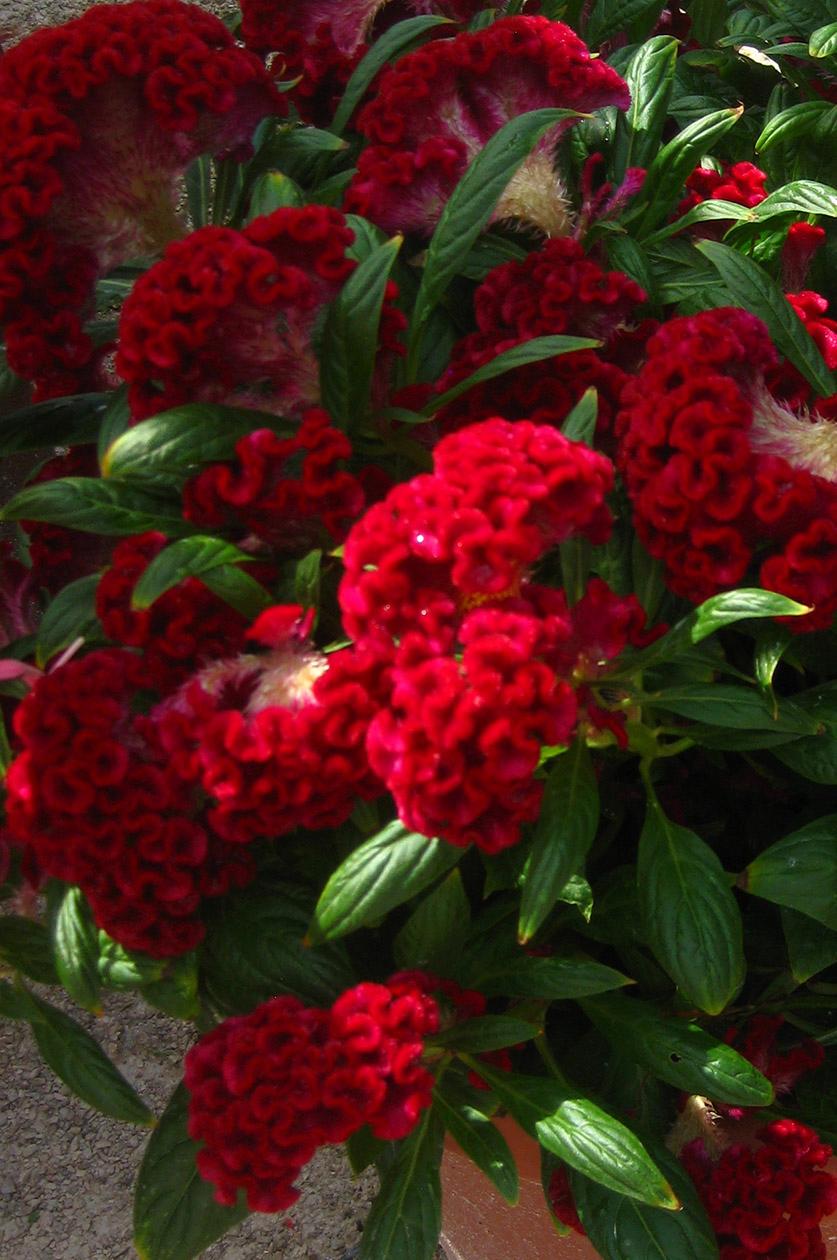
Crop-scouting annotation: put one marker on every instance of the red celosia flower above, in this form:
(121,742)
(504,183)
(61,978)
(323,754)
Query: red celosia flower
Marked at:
(92,802)
(740,182)
(766,1201)
(459,741)
(724,475)
(228,316)
(100,118)
(437,107)
(267,1089)
(801,244)
(555,290)
(321,41)
(502,495)
(811,308)
(184,628)
(276,741)
(291,492)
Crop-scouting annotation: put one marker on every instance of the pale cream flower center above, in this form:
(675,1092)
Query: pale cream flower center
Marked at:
(806,441)
(536,196)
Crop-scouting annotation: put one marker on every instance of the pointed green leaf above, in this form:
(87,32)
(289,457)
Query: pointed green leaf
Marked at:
(238,589)
(67,421)
(199,190)
(272,191)
(811,946)
(188,557)
(801,196)
(691,918)
(96,507)
(533,351)
(741,708)
(437,927)
(69,616)
(26,946)
(406,1217)
(676,160)
(792,122)
(564,832)
(384,872)
(650,78)
(176,991)
(800,871)
(76,944)
(484,1033)
(175,1213)
(823,41)
(459,1107)
(580,423)
(678,1052)
(549,978)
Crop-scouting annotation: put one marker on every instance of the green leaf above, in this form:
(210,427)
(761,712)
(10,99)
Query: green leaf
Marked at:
(487,252)
(580,423)
(175,1213)
(548,978)
(406,1217)
(708,25)
(389,46)
(188,557)
(795,121)
(199,190)
(725,704)
(484,1033)
(801,196)
(272,191)
(564,832)
(800,871)
(96,507)
(583,1134)
(437,927)
(384,872)
(308,579)
(701,213)
(532,351)
(679,1052)
(459,1107)
(823,41)
(811,946)
(238,589)
(814,757)
(68,421)
(692,921)
(76,945)
(116,420)
(611,17)
(751,288)
(120,968)
(13,1005)
(229,181)
(69,616)
(350,337)
(363,1149)
(469,209)
(81,1063)
(176,992)
(254,949)
(676,160)
(717,612)
(177,443)
(26,946)
(650,77)
(619,1227)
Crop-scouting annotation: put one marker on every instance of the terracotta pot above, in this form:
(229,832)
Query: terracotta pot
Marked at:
(478,1224)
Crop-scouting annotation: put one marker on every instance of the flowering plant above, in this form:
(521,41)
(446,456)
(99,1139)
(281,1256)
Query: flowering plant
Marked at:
(418,623)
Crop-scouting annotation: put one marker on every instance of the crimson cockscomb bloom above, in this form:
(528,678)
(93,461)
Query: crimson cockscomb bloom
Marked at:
(267,1089)
(92,801)
(739,182)
(182,630)
(725,477)
(276,740)
(765,1198)
(554,290)
(292,492)
(319,42)
(100,118)
(435,110)
(502,494)
(228,316)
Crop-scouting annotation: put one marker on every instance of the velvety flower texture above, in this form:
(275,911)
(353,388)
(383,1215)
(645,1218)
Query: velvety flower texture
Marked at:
(725,478)
(294,492)
(436,108)
(739,182)
(93,803)
(765,1201)
(275,741)
(320,42)
(227,316)
(182,630)
(267,1089)
(502,494)
(555,290)
(99,119)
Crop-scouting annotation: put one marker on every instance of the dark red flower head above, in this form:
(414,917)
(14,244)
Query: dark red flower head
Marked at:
(726,478)
(100,118)
(267,1089)
(228,316)
(436,108)
(94,804)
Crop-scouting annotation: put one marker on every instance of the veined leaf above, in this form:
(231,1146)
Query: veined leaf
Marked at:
(800,871)
(532,351)
(67,421)
(437,927)
(650,77)
(792,122)
(811,946)
(97,507)
(69,616)
(676,160)
(459,1107)
(188,557)
(76,944)
(406,1217)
